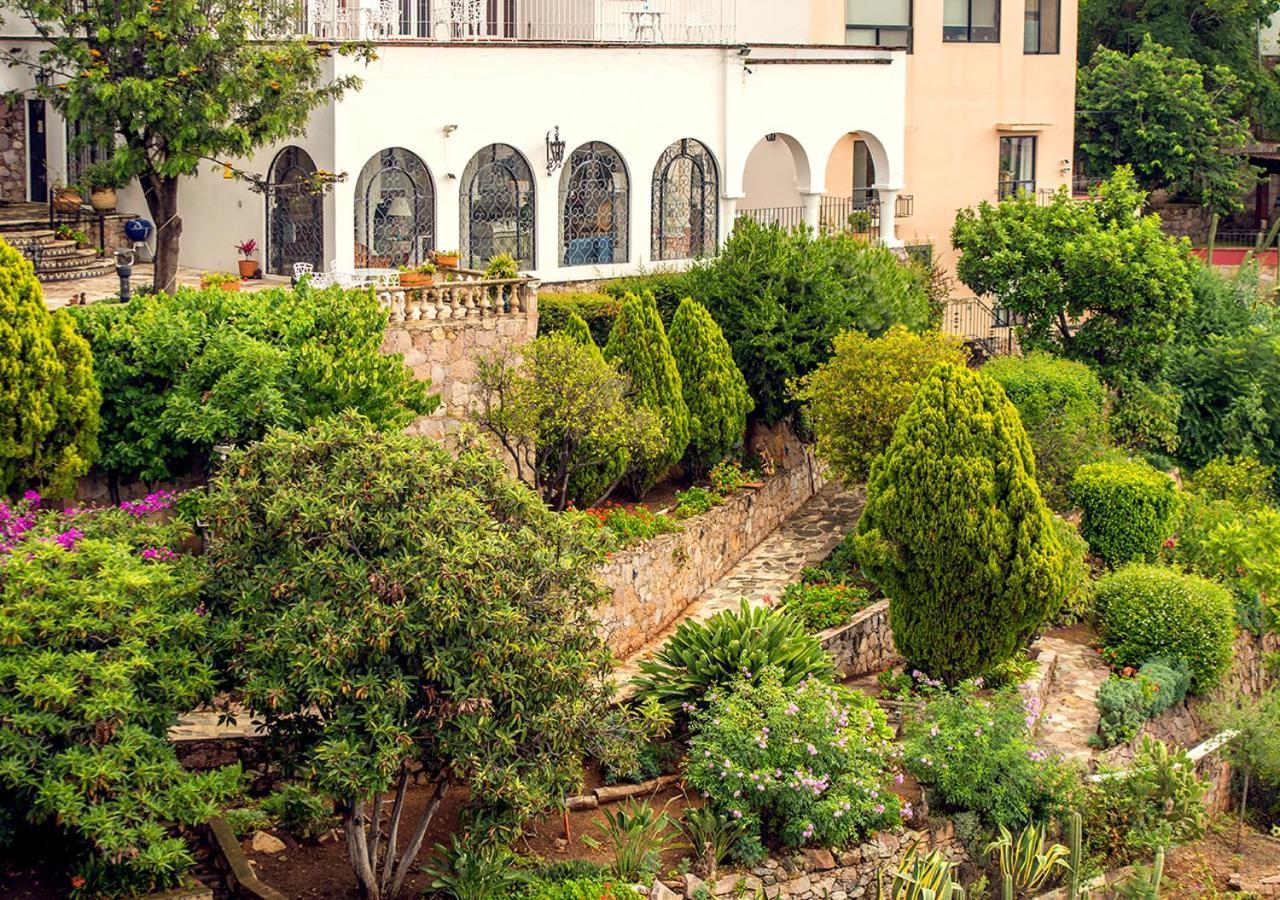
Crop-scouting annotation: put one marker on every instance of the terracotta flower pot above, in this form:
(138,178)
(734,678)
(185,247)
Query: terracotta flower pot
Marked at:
(414,279)
(66,199)
(447,261)
(229,286)
(103,199)
(248,268)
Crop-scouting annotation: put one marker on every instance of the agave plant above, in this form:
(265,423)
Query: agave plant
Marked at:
(730,645)
(929,877)
(712,836)
(1029,861)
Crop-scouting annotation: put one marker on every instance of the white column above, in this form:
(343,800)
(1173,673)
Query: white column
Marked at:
(728,216)
(812,201)
(888,197)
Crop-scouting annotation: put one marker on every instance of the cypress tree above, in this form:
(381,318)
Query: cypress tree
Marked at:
(714,390)
(577,328)
(591,484)
(639,348)
(48,397)
(955,531)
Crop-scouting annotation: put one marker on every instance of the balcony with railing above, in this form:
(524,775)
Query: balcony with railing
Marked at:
(859,214)
(534,21)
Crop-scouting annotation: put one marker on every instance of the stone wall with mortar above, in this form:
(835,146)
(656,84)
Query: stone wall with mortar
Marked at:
(651,584)
(445,352)
(13,151)
(865,645)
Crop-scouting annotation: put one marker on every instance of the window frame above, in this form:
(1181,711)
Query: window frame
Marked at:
(1040,32)
(909,28)
(1006,190)
(969,29)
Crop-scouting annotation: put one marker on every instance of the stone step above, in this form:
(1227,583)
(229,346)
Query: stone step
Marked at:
(57,249)
(93,270)
(71,259)
(25,237)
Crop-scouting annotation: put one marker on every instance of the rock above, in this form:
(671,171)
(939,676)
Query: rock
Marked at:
(850,858)
(266,843)
(819,860)
(726,884)
(579,803)
(659,891)
(800,885)
(691,884)
(561,845)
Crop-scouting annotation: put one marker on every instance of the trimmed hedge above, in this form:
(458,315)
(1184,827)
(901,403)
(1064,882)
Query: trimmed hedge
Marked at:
(1149,611)
(597,310)
(1129,509)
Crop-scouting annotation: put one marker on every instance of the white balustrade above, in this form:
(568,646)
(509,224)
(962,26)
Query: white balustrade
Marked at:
(471,296)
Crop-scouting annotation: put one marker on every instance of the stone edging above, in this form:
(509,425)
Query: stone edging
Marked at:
(240,876)
(864,644)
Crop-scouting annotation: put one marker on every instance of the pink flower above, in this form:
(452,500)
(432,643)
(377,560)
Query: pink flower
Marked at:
(32,497)
(897,779)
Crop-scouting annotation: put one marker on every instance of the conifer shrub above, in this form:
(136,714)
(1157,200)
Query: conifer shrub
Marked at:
(576,327)
(1129,509)
(1149,611)
(49,399)
(714,390)
(592,481)
(955,531)
(597,310)
(639,348)
(854,399)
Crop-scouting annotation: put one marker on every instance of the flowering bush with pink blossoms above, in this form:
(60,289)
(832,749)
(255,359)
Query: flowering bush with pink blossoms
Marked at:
(806,764)
(976,753)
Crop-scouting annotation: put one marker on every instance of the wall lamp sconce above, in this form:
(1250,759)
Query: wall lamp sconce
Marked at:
(771,136)
(555,150)
(42,78)
(449,129)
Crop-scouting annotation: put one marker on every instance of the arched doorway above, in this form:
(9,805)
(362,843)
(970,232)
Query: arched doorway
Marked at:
(295,213)
(776,171)
(496,212)
(595,207)
(395,208)
(686,202)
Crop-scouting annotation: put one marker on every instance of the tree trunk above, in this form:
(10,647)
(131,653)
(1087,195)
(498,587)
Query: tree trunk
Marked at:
(162,202)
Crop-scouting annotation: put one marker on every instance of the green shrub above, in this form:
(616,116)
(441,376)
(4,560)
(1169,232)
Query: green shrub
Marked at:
(597,310)
(1148,611)
(578,329)
(300,811)
(1242,481)
(732,644)
(808,763)
(1129,509)
(976,753)
(714,390)
(374,582)
(1077,604)
(956,533)
(628,525)
(105,643)
(782,297)
(1239,549)
(694,502)
(638,347)
(825,605)
(1061,406)
(669,288)
(586,888)
(182,373)
(1124,704)
(728,477)
(49,399)
(855,398)
(1144,415)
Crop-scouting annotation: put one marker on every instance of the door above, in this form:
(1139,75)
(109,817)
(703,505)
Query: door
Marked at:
(37,152)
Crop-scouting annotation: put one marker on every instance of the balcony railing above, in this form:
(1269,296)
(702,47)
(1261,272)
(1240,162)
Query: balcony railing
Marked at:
(487,21)
(859,214)
(471,296)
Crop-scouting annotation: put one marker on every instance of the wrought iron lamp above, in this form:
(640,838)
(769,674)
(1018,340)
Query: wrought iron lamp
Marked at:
(42,78)
(399,208)
(555,151)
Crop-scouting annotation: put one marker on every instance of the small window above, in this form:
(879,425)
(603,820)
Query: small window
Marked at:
(1017,166)
(877,23)
(1040,30)
(971,21)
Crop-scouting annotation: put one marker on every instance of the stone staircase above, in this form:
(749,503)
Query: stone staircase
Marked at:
(55,259)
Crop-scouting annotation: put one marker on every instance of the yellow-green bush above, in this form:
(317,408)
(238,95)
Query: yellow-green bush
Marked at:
(714,390)
(1129,508)
(597,310)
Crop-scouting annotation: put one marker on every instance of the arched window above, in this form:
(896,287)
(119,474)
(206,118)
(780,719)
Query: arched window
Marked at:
(395,210)
(594,204)
(686,202)
(295,213)
(496,208)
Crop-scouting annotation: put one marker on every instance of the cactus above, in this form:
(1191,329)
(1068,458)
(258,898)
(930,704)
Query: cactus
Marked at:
(1157,873)
(1076,860)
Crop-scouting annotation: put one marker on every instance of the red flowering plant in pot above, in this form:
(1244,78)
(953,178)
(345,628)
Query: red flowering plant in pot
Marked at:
(248,265)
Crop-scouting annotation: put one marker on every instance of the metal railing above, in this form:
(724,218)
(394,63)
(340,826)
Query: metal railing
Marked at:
(990,330)
(479,21)
(859,214)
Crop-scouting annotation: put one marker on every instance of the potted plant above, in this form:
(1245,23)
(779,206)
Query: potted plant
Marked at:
(502,267)
(65,197)
(65,232)
(103,184)
(447,259)
(417,276)
(248,265)
(224,280)
(860,221)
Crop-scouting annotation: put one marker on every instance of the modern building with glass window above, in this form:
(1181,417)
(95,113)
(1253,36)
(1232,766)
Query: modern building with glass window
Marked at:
(592,138)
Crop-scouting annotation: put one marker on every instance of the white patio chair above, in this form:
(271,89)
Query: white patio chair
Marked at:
(382,20)
(303,269)
(700,22)
(467,17)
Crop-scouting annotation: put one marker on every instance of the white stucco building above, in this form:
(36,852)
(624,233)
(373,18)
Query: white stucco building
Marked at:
(675,116)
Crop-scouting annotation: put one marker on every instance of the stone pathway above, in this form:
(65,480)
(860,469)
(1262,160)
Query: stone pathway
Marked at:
(1070,715)
(802,540)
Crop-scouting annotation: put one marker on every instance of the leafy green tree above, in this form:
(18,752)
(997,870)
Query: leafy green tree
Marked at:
(714,390)
(1179,126)
(955,531)
(182,373)
(564,416)
(391,606)
(48,397)
(104,643)
(639,348)
(1089,280)
(782,297)
(855,398)
(171,85)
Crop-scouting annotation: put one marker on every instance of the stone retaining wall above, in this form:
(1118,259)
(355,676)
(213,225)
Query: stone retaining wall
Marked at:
(651,584)
(445,351)
(13,151)
(864,645)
